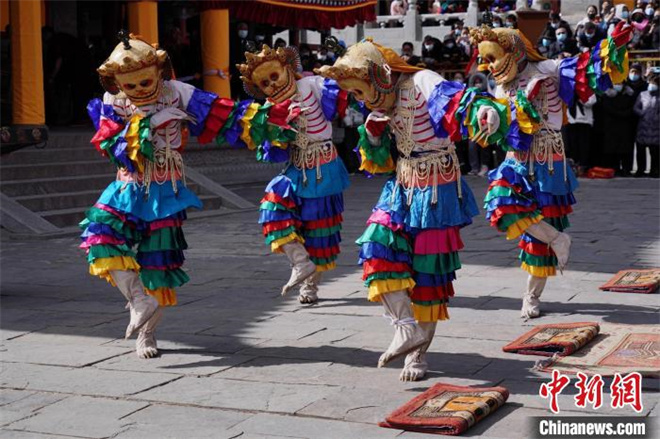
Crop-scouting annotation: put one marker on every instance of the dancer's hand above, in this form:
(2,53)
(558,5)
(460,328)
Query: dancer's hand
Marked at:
(376,123)
(489,120)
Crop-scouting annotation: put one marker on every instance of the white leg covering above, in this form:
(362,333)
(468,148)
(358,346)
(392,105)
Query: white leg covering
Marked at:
(531,299)
(558,241)
(141,305)
(408,335)
(310,288)
(145,345)
(416,366)
(301,266)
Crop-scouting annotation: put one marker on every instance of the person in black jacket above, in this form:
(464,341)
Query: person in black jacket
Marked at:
(566,45)
(431,52)
(588,39)
(618,125)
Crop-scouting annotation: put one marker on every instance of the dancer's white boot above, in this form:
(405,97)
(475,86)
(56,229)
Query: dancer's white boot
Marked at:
(531,299)
(141,305)
(416,366)
(310,288)
(301,266)
(559,242)
(146,345)
(408,335)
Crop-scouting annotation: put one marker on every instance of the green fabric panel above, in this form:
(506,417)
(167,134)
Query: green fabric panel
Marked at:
(436,264)
(377,154)
(144,131)
(323,261)
(108,251)
(500,191)
(167,238)
(153,279)
(429,302)
(101,216)
(561,223)
(382,235)
(511,218)
(477,102)
(269,205)
(277,234)
(537,261)
(106,146)
(387,275)
(322,232)
(526,105)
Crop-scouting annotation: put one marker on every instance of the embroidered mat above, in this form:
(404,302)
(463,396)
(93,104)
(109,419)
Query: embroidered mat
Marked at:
(558,338)
(618,348)
(446,409)
(634,281)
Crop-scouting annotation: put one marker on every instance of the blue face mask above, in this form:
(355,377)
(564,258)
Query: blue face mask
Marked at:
(491,83)
(545,42)
(625,15)
(633,77)
(561,37)
(589,36)
(653,87)
(618,87)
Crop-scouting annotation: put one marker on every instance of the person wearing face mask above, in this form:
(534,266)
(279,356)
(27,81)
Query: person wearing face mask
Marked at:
(592,16)
(548,45)
(431,51)
(497,21)
(451,52)
(637,84)
(647,107)
(555,21)
(589,37)
(618,127)
(408,54)
(512,21)
(641,25)
(565,46)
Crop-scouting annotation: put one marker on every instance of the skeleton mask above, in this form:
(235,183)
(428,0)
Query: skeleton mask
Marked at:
(502,51)
(274,80)
(142,86)
(367,93)
(137,69)
(271,73)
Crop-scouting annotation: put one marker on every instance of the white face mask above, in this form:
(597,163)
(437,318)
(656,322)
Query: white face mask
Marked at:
(259,38)
(242,34)
(554,25)
(497,24)
(653,87)
(618,87)
(428,46)
(321,57)
(449,45)
(649,11)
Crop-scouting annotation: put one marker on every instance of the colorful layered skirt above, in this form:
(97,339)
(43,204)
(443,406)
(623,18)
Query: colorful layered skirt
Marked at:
(515,200)
(128,229)
(306,209)
(415,246)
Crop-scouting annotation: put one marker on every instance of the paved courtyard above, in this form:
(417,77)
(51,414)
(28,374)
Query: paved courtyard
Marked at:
(239,361)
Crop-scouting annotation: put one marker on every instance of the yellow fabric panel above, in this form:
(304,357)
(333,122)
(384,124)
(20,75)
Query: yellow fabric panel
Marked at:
(373,168)
(246,123)
(383,286)
(326,267)
(143,20)
(27,80)
(215,50)
(165,296)
(101,267)
(276,246)
(539,271)
(430,313)
(518,228)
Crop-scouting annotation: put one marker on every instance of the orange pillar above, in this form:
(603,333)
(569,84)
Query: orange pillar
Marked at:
(27,75)
(4,14)
(143,20)
(215,50)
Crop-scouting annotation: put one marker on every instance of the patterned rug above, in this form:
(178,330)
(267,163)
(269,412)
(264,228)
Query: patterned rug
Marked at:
(447,409)
(618,348)
(558,338)
(634,281)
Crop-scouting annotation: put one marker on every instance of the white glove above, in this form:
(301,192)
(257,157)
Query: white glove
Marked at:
(489,120)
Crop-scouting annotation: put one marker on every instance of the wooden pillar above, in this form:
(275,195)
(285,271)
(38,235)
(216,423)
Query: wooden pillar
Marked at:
(4,14)
(214,25)
(27,74)
(143,19)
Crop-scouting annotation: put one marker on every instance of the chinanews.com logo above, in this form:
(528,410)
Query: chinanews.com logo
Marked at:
(625,391)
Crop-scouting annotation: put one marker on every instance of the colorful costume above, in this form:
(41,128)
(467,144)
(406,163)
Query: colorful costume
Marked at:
(531,192)
(409,251)
(301,213)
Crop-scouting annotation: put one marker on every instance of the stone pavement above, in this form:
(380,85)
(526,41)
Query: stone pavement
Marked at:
(240,361)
